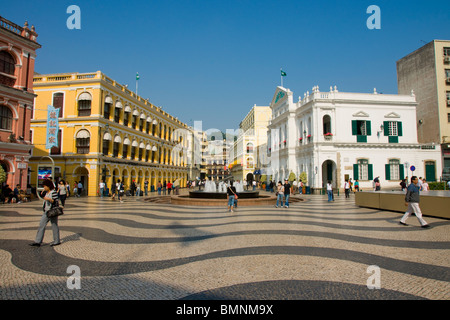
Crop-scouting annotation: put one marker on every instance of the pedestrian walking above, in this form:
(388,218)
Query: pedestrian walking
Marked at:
(102,187)
(138,189)
(403,184)
(75,189)
(62,192)
(164,187)
(50,201)
(68,189)
(287,192)
(356,186)
(120,190)
(347,189)
(169,187)
(279,194)
(231,194)
(80,188)
(159,187)
(133,188)
(425,186)
(412,199)
(146,187)
(330,191)
(113,190)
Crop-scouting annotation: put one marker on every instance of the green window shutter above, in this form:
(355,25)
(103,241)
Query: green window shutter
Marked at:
(387,169)
(354,128)
(361,138)
(401,169)
(399,128)
(368,128)
(355,172)
(370,166)
(386,128)
(393,139)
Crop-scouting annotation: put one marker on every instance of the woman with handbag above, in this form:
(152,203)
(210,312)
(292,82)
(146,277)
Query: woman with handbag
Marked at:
(50,202)
(231,193)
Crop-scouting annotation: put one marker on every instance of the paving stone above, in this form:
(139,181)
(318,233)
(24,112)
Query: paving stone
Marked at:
(152,250)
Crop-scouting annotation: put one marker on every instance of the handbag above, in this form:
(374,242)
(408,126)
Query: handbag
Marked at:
(55,210)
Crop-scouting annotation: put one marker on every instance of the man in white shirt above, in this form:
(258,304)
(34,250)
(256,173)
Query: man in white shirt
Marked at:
(101,185)
(330,191)
(295,186)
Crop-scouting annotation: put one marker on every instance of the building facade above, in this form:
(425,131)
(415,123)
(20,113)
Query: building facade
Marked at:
(17,56)
(250,148)
(338,135)
(106,132)
(427,72)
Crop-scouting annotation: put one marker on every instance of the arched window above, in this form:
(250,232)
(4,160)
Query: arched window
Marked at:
(84,104)
(83,142)
(249,147)
(58,102)
(7,63)
(107,107)
(6,118)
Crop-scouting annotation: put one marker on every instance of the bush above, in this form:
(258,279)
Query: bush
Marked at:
(436,185)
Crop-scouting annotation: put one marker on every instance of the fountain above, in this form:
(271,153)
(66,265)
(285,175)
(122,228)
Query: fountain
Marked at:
(219,191)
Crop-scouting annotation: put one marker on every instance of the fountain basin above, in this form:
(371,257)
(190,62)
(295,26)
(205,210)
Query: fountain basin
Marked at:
(222,195)
(187,200)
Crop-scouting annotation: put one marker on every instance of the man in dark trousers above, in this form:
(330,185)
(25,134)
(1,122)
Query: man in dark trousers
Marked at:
(287,192)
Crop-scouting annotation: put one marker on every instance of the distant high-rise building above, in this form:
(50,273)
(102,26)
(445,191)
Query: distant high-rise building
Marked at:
(426,71)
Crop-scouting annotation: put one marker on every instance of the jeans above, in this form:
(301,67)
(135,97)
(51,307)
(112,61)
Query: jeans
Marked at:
(41,229)
(286,200)
(280,199)
(101,192)
(231,201)
(330,195)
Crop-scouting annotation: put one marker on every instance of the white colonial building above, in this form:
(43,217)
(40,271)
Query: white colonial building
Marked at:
(339,135)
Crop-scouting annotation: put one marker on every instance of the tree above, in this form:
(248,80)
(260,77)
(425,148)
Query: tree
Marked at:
(2,175)
(304,177)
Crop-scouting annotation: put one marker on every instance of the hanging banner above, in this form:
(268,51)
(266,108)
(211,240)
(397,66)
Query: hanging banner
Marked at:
(52,127)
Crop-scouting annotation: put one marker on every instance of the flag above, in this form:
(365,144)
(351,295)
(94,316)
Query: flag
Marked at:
(137,76)
(283,74)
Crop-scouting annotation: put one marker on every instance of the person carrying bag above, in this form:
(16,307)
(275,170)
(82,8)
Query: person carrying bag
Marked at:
(51,212)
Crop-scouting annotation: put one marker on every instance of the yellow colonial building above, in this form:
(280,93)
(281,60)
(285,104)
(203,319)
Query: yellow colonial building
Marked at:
(106,132)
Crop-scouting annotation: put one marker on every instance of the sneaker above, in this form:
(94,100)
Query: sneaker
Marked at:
(275,206)
(426,226)
(402,223)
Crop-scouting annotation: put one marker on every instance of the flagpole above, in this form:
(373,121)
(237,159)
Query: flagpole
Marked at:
(136,84)
(281,74)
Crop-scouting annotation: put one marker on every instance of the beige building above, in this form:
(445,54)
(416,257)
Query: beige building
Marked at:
(426,71)
(250,148)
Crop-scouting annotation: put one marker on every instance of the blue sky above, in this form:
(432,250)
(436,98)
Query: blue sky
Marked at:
(213,60)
